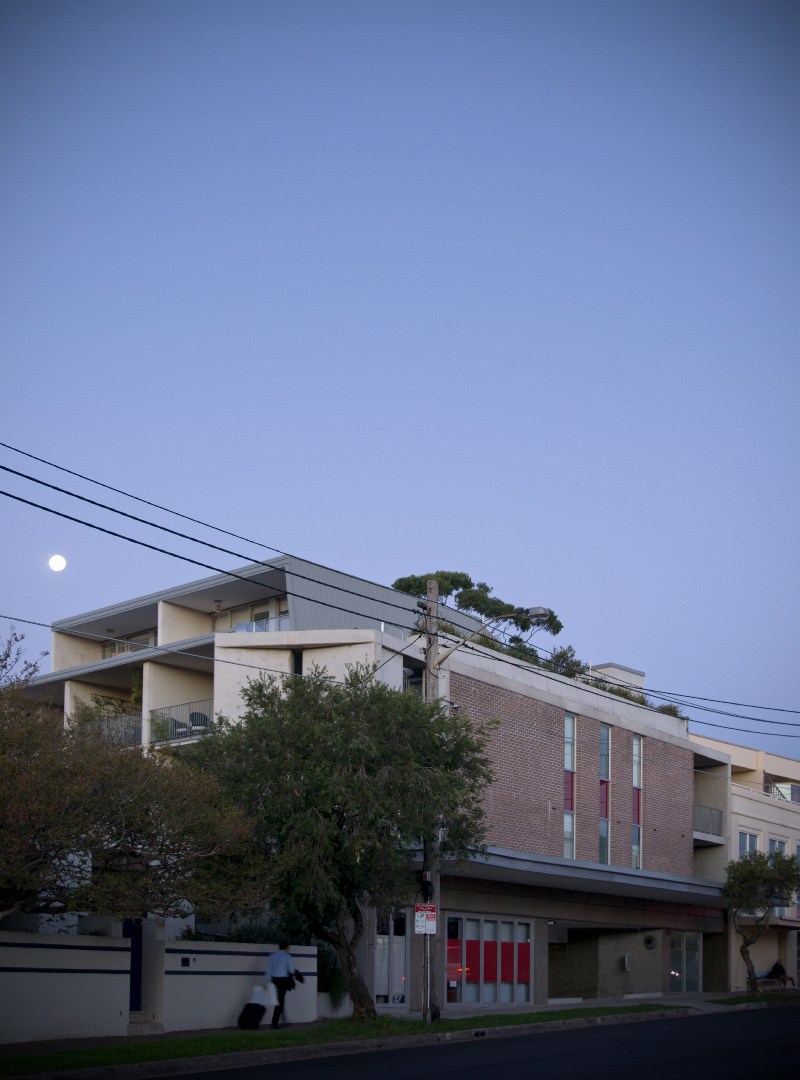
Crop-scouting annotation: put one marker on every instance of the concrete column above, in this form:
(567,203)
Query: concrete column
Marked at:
(147,696)
(540,991)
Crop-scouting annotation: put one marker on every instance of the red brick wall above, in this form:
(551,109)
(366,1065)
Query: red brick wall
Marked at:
(668,807)
(525,805)
(526,802)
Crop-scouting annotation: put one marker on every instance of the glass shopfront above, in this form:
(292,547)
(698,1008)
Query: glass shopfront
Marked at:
(488,960)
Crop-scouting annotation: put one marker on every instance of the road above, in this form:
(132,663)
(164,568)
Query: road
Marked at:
(725,1045)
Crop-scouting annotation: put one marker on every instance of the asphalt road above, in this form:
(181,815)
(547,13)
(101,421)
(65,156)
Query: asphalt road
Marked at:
(761,1043)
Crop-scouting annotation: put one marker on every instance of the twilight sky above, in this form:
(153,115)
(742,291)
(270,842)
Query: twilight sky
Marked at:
(504,287)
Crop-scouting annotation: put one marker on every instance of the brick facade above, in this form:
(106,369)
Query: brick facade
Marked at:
(525,804)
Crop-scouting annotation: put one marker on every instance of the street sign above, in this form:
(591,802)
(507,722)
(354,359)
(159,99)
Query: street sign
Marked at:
(425,918)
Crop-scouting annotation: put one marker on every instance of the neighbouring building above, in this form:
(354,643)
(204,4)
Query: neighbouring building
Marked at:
(764,816)
(609,824)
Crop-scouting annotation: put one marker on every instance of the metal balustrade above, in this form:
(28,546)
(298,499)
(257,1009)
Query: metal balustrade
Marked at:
(178,722)
(707,820)
(124,730)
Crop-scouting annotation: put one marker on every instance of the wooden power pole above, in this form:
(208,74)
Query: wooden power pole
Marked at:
(432,990)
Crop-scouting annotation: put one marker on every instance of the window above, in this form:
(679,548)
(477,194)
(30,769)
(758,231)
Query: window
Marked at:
(569,786)
(636,847)
(636,815)
(146,640)
(637,761)
(488,960)
(747,842)
(390,960)
(256,618)
(569,834)
(605,752)
(777,845)
(604,841)
(569,742)
(604,801)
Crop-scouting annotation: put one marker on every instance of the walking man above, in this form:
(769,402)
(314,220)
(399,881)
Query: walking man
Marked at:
(280,969)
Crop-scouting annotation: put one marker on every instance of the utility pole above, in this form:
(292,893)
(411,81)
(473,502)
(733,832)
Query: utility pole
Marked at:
(432,1009)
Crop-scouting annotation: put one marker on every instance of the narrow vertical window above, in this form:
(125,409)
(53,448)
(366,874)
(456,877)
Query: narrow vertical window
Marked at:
(569,742)
(636,827)
(605,752)
(569,786)
(604,801)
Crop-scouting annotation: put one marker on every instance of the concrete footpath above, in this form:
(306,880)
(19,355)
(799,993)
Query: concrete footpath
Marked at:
(699,1005)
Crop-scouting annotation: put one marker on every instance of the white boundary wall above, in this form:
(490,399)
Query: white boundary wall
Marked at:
(207,983)
(61,986)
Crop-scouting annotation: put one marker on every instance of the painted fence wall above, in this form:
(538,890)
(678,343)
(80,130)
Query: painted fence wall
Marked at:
(58,986)
(207,983)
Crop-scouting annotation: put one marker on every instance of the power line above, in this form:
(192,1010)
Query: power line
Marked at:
(186,558)
(186,517)
(636,704)
(193,539)
(667,696)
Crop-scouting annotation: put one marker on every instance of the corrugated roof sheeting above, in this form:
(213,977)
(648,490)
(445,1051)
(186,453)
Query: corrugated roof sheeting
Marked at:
(372,605)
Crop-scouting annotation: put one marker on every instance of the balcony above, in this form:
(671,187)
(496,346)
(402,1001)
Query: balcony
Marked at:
(177,723)
(124,730)
(707,826)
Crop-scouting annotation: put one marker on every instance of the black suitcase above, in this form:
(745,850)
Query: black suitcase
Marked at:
(251,1016)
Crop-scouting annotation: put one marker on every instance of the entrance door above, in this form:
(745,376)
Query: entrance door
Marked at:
(390,960)
(685,962)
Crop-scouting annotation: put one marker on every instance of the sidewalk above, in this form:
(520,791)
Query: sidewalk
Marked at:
(698,1002)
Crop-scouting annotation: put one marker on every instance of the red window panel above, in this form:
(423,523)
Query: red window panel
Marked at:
(506,961)
(569,790)
(524,962)
(454,960)
(490,961)
(473,972)
(604,798)
(637,806)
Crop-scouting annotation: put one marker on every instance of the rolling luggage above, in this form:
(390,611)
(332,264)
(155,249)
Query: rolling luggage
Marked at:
(260,1000)
(251,1016)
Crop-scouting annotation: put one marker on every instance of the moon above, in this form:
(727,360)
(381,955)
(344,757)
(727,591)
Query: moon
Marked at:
(57,562)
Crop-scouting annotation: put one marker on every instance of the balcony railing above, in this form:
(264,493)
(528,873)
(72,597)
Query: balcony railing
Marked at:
(181,721)
(124,730)
(784,792)
(707,820)
(261,626)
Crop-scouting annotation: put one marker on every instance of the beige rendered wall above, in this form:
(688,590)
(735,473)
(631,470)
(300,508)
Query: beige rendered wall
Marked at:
(69,651)
(177,623)
(336,658)
(47,994)
(229,679)
(75,691)
(163,685)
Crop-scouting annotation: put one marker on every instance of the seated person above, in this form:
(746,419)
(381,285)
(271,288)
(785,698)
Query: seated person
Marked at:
(779,972)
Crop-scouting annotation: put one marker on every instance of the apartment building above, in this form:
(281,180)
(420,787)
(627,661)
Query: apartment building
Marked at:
(764,816)
(607,821)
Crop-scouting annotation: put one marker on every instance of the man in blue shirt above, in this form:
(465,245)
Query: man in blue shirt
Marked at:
(280,969)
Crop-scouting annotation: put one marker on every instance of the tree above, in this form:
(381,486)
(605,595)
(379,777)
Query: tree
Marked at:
(754,884)
(342,781)
(474,598)
(88,827)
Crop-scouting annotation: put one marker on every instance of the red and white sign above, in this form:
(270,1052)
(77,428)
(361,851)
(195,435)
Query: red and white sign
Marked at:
(425,918)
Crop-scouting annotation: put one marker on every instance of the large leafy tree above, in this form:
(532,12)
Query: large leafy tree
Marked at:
(754,885)
(86,826)
(474,597)
(342,780)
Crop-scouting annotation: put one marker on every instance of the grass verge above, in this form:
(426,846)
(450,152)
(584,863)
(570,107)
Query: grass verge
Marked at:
(748,999)
(331,1032)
